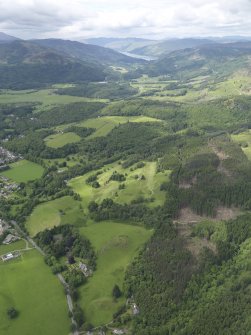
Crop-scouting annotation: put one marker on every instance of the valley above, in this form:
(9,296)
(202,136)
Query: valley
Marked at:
(135,184)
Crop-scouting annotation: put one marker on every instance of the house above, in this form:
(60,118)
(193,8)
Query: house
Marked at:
(10,239)
(83,267)
(3,226)
(10,256)
(118,331)
(135,309)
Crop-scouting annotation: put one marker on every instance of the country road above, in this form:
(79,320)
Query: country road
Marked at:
(59,276)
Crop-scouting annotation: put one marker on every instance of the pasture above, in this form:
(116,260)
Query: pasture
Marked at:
(105,124)
(45,97)
(53,213)
(28,285)
(116,245)
(23,171)
(61,139)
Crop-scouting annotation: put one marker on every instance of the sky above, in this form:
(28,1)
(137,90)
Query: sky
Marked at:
(155,19)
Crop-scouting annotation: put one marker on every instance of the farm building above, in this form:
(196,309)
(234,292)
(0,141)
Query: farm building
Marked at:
(10,256)
(83,267)
(10,239)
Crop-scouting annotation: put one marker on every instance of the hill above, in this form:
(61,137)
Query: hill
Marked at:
(158,49)
(27,65)
(87,52)
(212,59)
(121,44)
(7,38)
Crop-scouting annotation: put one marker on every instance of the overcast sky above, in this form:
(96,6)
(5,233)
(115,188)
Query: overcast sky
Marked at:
(80,19)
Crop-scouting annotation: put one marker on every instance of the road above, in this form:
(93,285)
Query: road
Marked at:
(59,276)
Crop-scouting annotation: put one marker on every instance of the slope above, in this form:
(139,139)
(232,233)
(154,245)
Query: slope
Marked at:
(87,52)
(27,65)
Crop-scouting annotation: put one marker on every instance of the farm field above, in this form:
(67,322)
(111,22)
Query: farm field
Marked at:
(53,213)
(45,97)
(135,187)
(28,285)
(61,139)
(105,124)
(116,244)
(244,139)
(23,171)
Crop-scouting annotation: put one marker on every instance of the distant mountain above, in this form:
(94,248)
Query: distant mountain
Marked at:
(25,64)
(4,38)
(121,44)
(214,59)
(164,47)
(87,52)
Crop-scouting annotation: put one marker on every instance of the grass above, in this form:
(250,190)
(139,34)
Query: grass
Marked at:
(61,139)
(53,213)
(105,124)
(4,249)
(23,171)
(244,139)
(45,97)
(116,244)
(134,187)
(28,285)
(198,89)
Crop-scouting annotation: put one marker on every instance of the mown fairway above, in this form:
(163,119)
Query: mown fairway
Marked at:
(28,285)
(53,213)
(135,187)
(116,244)
(61,139)
(23,171)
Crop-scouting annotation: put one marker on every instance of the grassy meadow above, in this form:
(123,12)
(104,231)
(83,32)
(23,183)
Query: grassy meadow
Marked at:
(105,124)
(116,244)
(61,139)
(23,171)
(28,285)
(46,98)
(53,213)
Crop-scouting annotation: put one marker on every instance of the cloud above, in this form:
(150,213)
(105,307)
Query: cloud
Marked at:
(158,18)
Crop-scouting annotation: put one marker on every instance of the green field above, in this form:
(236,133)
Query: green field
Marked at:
(28,285)
(244,139)
(61,139)
(53,213)
(116,244)
(134,187)
(105,124)
(23,171)
(198,88)
(11,247)
(46,97)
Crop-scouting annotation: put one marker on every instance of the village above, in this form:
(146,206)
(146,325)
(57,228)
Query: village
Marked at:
(7,157)
(7,187)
